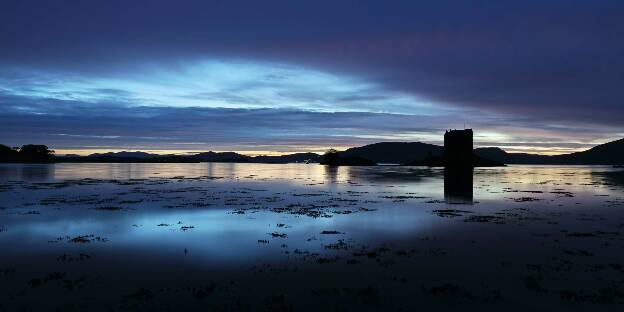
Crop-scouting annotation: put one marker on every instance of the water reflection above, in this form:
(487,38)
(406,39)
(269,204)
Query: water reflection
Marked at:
(331,174)
(393,174)
(458,185)
(612,178)
(27,172)
(329,223)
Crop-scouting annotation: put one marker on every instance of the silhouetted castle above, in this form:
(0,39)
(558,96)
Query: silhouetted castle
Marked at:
(458,147)
(458,153)
(458,162)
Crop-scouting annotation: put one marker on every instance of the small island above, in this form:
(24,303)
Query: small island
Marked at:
(333,158)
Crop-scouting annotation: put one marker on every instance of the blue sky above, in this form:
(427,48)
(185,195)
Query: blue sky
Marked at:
(285,76)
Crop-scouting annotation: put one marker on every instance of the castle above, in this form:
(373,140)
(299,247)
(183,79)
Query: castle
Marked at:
(458,148)
(459,160)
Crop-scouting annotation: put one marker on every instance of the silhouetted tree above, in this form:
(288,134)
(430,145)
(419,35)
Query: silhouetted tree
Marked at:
(35,153)
(330,157)
(7,154)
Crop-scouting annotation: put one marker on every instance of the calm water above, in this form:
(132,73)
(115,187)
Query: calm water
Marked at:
(271,237)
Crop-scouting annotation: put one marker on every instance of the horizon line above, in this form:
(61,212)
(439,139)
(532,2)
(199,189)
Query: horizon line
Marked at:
(253,153)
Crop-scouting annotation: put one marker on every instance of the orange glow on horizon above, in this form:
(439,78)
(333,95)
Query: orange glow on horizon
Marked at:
(555,150)
(85,152)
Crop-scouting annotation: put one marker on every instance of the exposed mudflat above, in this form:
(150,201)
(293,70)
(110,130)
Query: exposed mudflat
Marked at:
(171,237)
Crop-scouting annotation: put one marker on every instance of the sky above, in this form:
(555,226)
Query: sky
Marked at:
(273,77)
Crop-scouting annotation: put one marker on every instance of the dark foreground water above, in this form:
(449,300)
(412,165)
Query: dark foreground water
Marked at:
(100,237)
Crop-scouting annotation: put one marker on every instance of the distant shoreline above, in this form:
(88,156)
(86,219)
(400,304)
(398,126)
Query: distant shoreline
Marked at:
(610,154)
(138,161)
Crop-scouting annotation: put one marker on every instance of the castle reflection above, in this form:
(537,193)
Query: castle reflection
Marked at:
(458,184)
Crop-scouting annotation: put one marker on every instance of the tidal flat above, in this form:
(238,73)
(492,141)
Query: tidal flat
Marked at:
(219,236)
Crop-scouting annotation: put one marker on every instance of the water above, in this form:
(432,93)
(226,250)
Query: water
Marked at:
(260,236)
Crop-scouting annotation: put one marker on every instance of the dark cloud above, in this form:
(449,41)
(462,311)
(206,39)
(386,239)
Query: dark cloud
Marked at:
(555,65)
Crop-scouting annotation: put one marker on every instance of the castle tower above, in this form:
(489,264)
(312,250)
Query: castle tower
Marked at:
(458,151)
(458,163)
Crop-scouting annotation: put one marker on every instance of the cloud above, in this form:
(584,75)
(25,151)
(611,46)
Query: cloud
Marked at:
(70,124)
(520,70)
(217,83)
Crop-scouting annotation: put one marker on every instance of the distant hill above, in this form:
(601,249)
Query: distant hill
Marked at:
(125,154)
(201,157)
(335,158)
(221,157)
(497,154)
(611,153)
(236,157)
(394,152)
(125,157)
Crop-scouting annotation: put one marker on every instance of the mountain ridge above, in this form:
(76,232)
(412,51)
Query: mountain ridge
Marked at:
(611,153)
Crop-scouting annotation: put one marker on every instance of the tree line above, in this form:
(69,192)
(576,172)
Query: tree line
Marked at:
(26,153)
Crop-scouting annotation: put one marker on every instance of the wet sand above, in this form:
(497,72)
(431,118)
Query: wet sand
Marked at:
(101,237)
